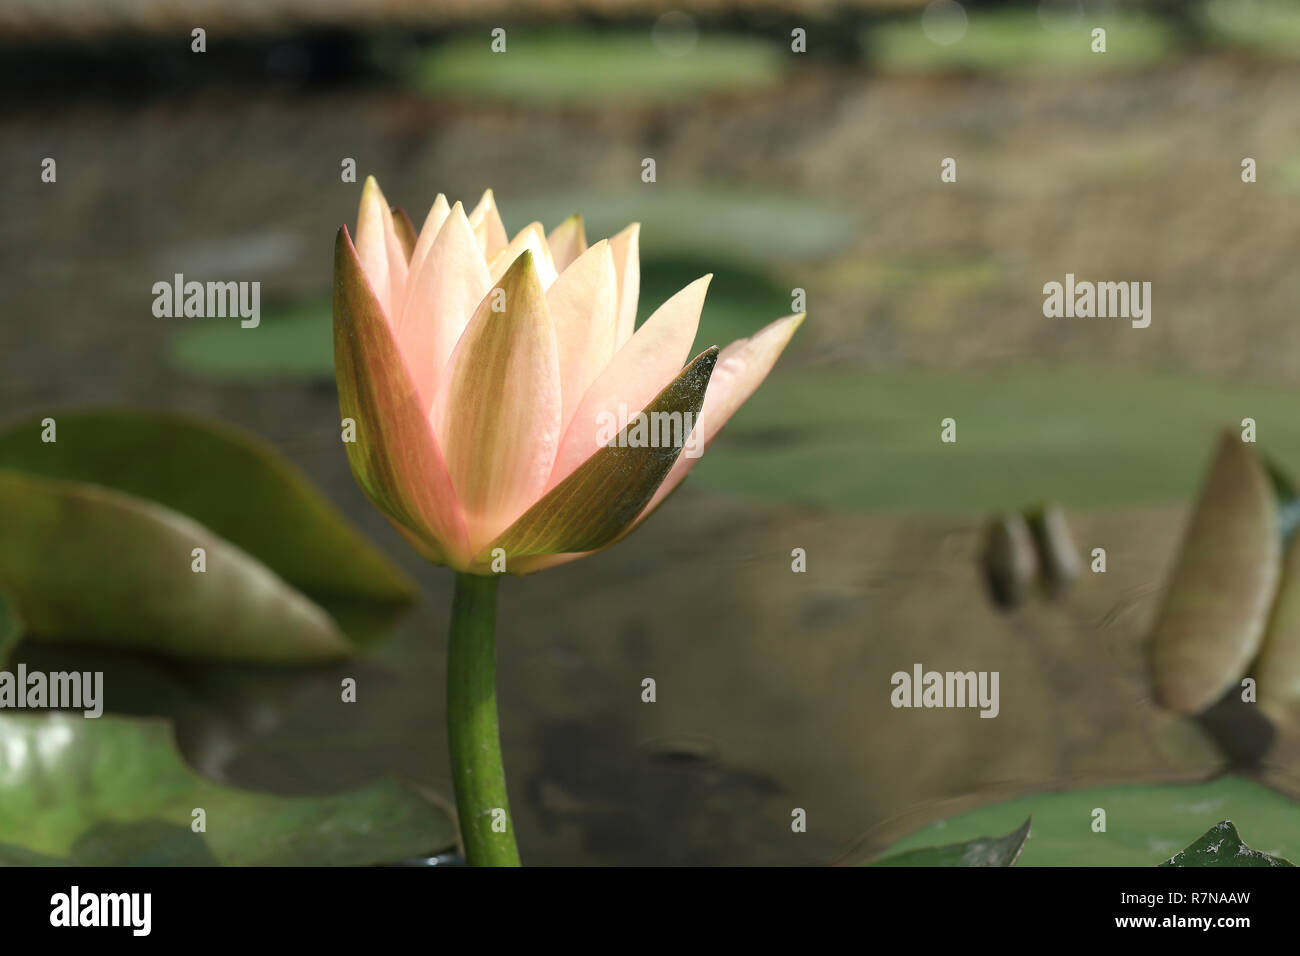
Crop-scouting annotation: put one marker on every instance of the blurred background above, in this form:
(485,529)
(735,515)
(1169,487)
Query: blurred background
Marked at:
(776,170)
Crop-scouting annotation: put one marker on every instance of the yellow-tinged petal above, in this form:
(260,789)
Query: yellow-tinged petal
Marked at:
(498,409)
(531,239)
(395,458)
(450,284)
(567,241)
(627,265)
(488,227)
(583,302)
(742,366)
(595,505)
(653,356)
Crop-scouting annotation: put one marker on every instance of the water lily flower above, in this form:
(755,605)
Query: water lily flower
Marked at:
(479,370)
(481,374)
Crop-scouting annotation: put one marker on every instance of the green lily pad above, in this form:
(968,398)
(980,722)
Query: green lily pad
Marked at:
(715,224)
(232,482)
(11,625)
(291,342)
(982,851)
(585,67)
(1018,40)
(1144,825)
(1222,846)
(1268,29)
(114,792)
(93,564)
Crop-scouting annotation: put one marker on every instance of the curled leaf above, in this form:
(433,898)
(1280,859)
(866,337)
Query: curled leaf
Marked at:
(1217,605)
(97,565)
(232,482)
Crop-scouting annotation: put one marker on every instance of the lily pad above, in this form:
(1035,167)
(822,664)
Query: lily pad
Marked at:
(232,482)
(1144,825)
(1222,846)
(982,851)
(291,342)
(86,562)
(585,67)
(114,792)
(716,224)
(1020,40)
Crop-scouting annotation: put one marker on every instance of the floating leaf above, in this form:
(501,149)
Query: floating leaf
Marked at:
(227,479)
(1222,846)
(293,342)
(97,565)
(11,625)
(1223,584)
(114,792)
(982,851)
(575,66)
(1143,824)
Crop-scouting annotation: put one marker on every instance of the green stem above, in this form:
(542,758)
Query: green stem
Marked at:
(479,778)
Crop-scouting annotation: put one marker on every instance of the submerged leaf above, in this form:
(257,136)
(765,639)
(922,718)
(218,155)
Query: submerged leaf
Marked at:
(983,851)
(114,792)
(227,479)
(93,564)
(1222,846)
(1223,583)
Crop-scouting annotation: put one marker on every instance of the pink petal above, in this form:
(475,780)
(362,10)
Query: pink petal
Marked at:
(444,293)
(438,213)
(489,229)
(583,302)
(498,409)
(567,241)
(649,360)
(627,264)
